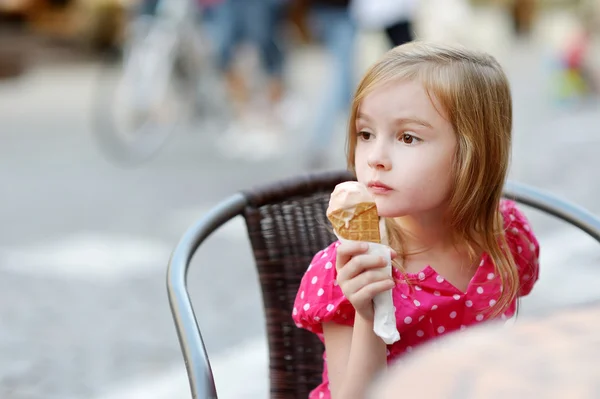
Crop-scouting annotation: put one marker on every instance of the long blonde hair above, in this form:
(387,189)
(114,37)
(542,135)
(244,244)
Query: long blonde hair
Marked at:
(475,95)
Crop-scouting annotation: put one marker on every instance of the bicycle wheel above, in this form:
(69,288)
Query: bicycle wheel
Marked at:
(143,97)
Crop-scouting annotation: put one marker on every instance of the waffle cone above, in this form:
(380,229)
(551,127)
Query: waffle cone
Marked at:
(359,224)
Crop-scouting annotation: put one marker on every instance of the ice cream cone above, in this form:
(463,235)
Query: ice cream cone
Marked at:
(358,224)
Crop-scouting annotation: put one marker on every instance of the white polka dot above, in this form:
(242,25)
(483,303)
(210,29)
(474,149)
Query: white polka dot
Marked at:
(468,303)
(299,325)
(452,315)
(439,279)
(387,352)
(526,227)
(480,290)
(337,244)
(408,320)
(503,317)
(434,307)
(404,296)
(456,297)
(490,276)
(321,395)
(479,317)
(526,277)
(481,263)
(519,249)
(441,329)
(420,333)
(514,230)
(330,307)
(324,255)
(492,302)
(314,280)
(512,217)
(417,288)
(302,295)
(409,349)
(421,318)
(462,328)
(320,292)
(328,265)
(436,293)
(531,247)
(295,312)
(421,276)
(417,303)
(335,283)
(317,318)
(306,306)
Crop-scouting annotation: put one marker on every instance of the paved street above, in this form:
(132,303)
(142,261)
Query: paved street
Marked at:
(85,243)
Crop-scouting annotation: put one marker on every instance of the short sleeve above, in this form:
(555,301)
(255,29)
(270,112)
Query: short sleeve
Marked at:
(319,298)
(523,245)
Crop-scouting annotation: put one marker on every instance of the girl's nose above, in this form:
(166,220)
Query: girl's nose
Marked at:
(379,157)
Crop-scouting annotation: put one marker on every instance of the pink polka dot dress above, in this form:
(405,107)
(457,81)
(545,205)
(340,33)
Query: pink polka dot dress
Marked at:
(428,307)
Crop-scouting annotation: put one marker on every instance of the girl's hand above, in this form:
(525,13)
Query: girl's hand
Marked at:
(361,276)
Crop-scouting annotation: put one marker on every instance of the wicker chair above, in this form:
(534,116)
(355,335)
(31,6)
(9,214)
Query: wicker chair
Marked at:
(287,225)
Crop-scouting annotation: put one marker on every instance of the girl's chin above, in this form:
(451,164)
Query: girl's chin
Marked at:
(390,213)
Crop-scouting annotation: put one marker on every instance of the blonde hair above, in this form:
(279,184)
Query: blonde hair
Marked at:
(475,95)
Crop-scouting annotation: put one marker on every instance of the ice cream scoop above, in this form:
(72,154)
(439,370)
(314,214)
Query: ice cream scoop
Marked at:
(353,213)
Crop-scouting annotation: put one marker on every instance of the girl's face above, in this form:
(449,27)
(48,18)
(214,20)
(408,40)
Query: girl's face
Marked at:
(405,150)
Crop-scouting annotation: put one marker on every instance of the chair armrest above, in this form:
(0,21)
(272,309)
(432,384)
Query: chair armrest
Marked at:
(549,203)
(192,346)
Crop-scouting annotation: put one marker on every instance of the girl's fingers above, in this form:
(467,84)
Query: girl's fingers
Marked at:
(364,279)
(347,250)
(359,264)
(367,292)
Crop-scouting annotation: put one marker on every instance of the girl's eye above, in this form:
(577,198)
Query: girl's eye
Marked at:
(365,136)
(408,138)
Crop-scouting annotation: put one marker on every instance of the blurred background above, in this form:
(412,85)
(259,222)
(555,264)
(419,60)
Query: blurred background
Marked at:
(123,121)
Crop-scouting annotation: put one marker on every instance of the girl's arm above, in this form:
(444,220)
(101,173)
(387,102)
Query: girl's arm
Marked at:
(355,355)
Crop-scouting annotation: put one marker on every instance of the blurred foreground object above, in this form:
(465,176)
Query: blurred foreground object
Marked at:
(552,356)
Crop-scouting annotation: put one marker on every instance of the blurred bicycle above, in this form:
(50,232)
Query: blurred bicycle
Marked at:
(162,78)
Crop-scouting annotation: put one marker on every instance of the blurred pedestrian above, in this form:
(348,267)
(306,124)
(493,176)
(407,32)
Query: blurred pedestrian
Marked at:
(331,23)
(394,17)
(258,23)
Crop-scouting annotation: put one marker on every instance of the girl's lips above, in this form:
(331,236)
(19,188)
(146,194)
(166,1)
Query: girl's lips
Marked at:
(378,188)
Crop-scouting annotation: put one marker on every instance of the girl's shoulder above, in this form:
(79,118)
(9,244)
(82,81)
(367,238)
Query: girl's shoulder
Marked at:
(319,298)
(515,222)
(523,244)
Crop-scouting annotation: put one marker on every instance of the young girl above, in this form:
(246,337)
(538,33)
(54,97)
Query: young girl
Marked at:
(430,136)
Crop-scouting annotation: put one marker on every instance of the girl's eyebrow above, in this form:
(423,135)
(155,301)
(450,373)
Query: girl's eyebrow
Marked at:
(413,120)
(401,121)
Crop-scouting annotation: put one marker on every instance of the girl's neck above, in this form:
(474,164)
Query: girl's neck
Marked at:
(425,234)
